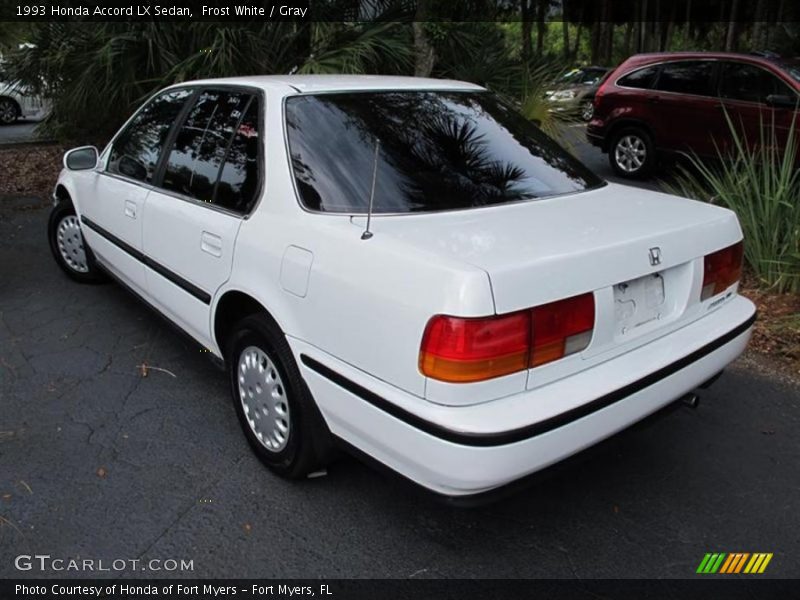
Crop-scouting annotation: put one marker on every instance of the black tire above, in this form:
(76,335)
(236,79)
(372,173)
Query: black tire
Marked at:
(629,140)
(92,273)
(9,111)
(307,447)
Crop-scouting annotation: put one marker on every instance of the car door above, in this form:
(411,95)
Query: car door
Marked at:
(208,181)
(745,91)
(112,198)
(686,106)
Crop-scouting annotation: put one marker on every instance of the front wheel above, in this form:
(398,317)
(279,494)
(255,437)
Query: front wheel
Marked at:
(69,248)
(587,110)
(274,406)
(632,153)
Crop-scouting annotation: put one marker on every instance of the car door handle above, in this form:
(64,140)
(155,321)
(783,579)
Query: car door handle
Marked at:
(130,209)
(654,99)
(211,244)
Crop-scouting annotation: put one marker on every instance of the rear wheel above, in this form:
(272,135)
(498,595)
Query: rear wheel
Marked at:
(69,248)
(631,153)
(275,408)
(9,111)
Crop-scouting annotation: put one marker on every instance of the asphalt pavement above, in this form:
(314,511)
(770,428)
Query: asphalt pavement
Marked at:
(99,462)
(23,130)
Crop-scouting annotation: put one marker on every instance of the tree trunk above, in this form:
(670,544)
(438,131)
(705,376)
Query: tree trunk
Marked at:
(670,26)
(758,42)
(641,45)
(578,33)
(540,25)
(607,41)
(597,27)
(565,28)
(424,56)
(730,38)
(526,29)
(628,33)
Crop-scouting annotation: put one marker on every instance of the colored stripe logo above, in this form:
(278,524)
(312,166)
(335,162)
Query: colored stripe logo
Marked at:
(734,562)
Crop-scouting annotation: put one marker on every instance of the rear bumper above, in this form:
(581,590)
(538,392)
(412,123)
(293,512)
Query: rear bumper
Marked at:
(462,451)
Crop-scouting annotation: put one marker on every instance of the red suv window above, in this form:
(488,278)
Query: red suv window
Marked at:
(642,79)
(687,77)
(749,83)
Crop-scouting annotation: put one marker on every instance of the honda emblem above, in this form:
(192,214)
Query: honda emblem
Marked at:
(655,256)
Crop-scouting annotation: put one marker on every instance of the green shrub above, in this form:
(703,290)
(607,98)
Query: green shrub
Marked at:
(760,181)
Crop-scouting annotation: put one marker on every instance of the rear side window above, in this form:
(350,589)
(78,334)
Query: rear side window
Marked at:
(238,181)
(136,150)
(201,145)
(687,77)
(435,151)
(749,83)
(643,79)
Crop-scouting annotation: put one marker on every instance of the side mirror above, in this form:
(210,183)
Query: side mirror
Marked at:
(81,159)
(782,101)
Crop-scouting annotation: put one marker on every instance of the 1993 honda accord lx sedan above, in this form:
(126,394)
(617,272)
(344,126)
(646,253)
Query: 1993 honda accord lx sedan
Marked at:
(407,267)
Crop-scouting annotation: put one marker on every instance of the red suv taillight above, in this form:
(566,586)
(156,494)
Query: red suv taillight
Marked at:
(721,270)
(462,350)
(601,90)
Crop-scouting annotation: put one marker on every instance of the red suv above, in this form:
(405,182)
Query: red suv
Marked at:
(654,104)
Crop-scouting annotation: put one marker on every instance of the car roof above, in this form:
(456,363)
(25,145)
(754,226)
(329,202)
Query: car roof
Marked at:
(663,56)
(337,83)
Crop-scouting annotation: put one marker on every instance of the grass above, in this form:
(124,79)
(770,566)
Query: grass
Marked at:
(759,180)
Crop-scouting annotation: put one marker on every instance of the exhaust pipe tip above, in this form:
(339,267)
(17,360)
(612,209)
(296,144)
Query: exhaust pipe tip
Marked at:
(691,400)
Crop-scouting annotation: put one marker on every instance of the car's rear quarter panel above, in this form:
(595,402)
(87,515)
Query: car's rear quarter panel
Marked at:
(367,301)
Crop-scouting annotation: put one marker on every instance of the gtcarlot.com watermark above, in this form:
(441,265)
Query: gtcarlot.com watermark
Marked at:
(48,563)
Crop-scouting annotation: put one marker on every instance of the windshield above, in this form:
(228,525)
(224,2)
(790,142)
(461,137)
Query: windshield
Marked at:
(576,76)
(437,151)
(573,76)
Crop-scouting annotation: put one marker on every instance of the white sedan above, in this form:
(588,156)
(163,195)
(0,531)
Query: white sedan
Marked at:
(406,268)
(18,102)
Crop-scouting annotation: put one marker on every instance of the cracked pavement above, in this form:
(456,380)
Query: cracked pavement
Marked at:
(99,462)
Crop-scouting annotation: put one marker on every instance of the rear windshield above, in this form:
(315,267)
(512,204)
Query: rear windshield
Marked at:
(436,151)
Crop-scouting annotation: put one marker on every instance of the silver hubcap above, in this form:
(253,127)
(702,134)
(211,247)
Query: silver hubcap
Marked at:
(70,244)
(264,400)
(630,153)
(588,111)
(8,112)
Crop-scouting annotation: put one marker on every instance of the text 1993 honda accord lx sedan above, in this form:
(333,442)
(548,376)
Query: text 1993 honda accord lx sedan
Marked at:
(406,266)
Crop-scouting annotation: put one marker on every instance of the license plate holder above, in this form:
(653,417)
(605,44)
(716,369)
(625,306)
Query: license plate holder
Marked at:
(638,302)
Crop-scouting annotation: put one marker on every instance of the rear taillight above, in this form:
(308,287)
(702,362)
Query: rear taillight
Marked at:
(721,270)
(561,328)
(601,90)
(462,350)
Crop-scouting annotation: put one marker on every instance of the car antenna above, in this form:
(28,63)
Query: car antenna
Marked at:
(367,233)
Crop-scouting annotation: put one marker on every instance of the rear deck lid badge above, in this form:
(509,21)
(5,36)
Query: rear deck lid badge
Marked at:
(655,256)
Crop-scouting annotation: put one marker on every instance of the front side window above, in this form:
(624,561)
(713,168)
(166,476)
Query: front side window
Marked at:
(435,151)
(749,83)
(200,147)
(687,77)
(136,150)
